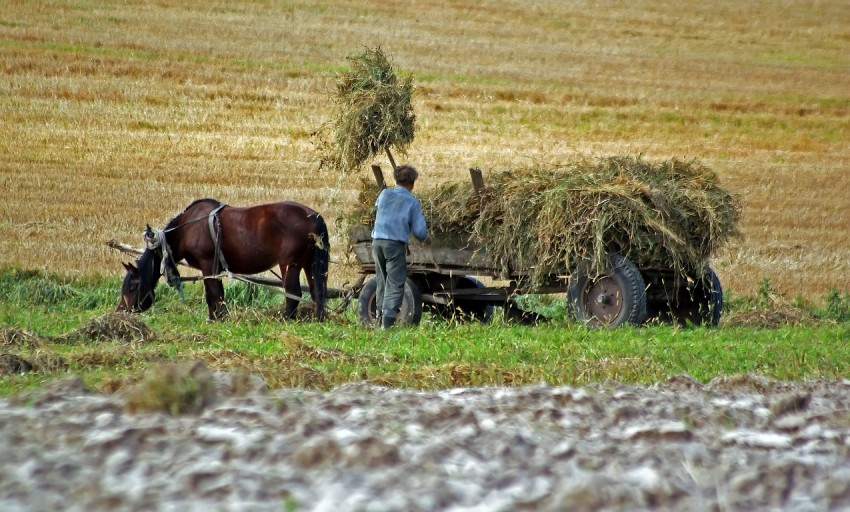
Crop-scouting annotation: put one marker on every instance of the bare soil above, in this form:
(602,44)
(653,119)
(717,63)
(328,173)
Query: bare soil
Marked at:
(737,443)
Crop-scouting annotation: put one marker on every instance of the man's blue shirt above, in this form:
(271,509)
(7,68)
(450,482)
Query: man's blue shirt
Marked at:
(398,215)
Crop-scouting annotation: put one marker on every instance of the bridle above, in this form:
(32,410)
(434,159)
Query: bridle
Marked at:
(140,298)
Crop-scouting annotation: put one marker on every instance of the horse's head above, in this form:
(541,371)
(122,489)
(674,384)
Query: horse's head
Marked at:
(137,290)
(135,296)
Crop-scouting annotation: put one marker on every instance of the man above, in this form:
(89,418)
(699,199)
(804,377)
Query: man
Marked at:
(399,215)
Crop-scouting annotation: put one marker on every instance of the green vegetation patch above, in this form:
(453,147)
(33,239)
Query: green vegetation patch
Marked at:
(172,366)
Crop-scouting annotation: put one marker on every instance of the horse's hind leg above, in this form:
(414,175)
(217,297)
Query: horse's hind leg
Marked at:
(214,291)
(292,285)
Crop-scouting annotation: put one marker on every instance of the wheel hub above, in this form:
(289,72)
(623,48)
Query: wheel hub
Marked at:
(604,300)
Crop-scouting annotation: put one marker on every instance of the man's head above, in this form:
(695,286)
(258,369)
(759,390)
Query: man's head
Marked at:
(405,175)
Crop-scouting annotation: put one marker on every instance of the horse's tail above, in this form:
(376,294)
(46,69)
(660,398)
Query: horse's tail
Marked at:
(321,262)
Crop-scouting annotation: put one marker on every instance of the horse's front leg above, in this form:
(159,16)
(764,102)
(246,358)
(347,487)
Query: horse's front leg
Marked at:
(214,291)
(292,285)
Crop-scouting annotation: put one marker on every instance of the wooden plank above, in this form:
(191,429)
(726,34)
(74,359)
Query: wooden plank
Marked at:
(433,258)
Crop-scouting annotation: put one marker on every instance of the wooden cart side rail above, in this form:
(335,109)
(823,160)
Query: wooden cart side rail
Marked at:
(447,270)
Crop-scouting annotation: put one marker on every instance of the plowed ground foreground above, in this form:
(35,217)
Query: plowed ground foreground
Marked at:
(738,443)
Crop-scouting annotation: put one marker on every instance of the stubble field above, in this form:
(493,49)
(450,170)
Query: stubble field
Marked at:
(119,114)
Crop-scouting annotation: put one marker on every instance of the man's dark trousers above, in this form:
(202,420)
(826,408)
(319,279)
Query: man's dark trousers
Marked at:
(391,272)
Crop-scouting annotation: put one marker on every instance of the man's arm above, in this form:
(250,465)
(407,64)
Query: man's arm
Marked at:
(418,226)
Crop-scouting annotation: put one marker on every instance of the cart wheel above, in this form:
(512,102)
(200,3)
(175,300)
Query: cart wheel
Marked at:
(698,304)
(411,304)
(711,291)
(465,309)
(610,299)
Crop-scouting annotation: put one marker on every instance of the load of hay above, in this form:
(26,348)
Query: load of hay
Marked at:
(373,113)
(544,222)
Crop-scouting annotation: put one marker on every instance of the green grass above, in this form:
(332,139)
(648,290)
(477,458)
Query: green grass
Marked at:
(434,355)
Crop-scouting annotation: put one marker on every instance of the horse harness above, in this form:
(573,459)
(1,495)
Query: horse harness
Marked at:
(169,266)
(214,223)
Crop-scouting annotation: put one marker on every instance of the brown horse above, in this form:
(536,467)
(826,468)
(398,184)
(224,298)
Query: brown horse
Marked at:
(216,238)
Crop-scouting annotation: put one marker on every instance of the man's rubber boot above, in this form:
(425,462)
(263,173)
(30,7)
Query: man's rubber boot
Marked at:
(387,321)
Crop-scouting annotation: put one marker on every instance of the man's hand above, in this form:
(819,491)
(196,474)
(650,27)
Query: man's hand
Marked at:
(428,240)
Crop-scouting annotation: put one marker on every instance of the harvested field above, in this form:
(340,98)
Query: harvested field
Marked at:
(117,115)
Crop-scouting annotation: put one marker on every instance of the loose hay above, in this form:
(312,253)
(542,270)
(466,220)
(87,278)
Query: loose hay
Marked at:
(772,317)
(373,113)
(49,362)
(110,327)
(547,221)
(17,337)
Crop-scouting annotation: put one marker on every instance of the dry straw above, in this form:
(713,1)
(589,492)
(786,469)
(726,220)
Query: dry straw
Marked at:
(373,112)
(546,222)
(124,327)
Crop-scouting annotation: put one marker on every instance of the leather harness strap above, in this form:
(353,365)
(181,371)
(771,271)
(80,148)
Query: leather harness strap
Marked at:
(214,223)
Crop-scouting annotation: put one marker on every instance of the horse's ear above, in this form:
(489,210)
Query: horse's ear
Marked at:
(130,268)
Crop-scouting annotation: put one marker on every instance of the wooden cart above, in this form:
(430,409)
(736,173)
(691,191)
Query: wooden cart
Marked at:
(446,279)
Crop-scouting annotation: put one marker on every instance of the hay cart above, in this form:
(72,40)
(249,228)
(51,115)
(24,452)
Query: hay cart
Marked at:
(444,279)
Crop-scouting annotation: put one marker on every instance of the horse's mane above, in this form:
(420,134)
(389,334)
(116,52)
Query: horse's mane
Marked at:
(173,221)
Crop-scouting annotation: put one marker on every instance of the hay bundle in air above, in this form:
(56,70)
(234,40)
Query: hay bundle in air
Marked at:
(373,112)
(548,221)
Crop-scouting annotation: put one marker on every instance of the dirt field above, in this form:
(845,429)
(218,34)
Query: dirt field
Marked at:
(738,443)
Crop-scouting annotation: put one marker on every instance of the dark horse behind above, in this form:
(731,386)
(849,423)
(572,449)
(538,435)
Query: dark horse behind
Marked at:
(216,238)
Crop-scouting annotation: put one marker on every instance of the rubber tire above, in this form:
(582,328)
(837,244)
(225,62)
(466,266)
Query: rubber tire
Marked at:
(627,284)
(411,304)
(465,310)
(701,303)
(713,304)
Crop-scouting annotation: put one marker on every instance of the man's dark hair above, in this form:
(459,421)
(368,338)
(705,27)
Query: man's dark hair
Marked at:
(405,175)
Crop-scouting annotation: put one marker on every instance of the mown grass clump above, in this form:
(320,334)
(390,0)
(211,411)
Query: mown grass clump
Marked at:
(126,327)
(373,112)
(174,389)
